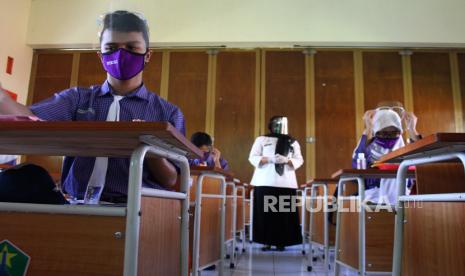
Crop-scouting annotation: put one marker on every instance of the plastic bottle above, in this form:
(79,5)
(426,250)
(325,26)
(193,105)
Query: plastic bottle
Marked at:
(361,161)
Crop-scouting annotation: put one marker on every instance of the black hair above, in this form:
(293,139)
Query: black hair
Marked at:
(201,139)
(125,21)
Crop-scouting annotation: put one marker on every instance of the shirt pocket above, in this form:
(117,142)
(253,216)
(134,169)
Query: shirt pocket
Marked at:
(269,149)
(85,114)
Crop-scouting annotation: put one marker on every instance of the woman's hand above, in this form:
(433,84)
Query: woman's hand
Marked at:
(267,160)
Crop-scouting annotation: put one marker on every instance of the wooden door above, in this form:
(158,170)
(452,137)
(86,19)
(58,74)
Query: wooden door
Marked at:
(382,78)
(285,95)
(187,87)
(334,111)
(461,58)
(432,93)
(235,109)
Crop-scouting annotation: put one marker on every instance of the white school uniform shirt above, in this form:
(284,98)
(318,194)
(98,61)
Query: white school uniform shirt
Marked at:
(266,175)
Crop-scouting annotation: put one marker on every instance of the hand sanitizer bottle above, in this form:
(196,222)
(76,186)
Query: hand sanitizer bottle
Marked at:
(361,161)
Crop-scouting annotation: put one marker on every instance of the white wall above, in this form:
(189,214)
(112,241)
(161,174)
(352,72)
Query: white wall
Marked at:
(14,16)
(71,23)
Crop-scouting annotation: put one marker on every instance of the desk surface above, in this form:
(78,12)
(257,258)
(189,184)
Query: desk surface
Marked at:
(369,173)
(435,143)
(83,138)
(197,170)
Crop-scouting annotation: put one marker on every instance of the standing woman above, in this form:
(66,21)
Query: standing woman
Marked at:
(275,157)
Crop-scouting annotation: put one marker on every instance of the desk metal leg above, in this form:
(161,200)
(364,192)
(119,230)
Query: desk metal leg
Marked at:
(251,216)
(326,227)
(197,223)
(243,218)
(310,228)
(134,205)
(361,226)
(400,181)
(361,223)
(232,259)
(337,267)
(303,220)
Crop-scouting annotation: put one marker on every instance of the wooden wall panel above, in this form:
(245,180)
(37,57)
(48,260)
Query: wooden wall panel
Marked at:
(382,76)
(152,72)
(187,87)
(91,71)
(53,74)
(461,58)
(432,93)
(235,110)
(285,94)
(334,111)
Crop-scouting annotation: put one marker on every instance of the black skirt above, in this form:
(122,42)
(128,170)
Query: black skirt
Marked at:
(270,226)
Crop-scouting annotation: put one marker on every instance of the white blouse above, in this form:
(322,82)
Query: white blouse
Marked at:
(266,175)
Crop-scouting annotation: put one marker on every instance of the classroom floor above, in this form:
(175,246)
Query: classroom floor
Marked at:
(288,263)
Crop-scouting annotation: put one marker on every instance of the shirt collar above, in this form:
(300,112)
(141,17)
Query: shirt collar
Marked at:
(140,92)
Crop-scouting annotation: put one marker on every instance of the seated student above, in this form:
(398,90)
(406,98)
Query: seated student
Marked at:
(212,156)
(124,42)
(382,134)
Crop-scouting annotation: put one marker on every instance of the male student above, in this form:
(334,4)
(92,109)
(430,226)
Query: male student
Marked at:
(124,42)
(211,156)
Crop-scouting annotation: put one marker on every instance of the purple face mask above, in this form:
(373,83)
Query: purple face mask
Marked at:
(122,64)
(387,143)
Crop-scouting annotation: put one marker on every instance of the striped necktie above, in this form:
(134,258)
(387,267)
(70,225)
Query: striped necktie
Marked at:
(97,178)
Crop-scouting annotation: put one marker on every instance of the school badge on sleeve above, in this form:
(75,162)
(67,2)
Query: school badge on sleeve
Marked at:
(13,261)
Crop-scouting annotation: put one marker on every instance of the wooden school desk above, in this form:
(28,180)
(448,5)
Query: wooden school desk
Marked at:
(148,236)
(209,227)
(317,230)
(363,239)
(429,228)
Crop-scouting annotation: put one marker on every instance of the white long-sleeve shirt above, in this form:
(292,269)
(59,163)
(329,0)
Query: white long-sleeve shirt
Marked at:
(266,175)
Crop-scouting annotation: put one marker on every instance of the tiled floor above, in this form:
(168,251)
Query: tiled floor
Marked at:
(288,263)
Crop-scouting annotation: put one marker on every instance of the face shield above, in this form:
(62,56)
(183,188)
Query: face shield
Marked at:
(279,125)
(123,38)
(392,105)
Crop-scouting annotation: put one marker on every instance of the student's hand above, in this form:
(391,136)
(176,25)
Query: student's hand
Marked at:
(368,119)
(216,154)
(280,159)
(410,121)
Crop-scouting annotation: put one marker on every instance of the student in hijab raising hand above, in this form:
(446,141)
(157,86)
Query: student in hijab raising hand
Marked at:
(275,157)
(382,135)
